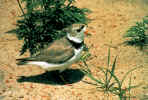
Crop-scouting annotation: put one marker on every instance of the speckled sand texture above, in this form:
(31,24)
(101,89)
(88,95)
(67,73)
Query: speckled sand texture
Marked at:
(111,18)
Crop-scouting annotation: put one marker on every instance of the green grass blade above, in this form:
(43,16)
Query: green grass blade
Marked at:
(20,7)
(102,69)
(87,66)
(88,73)
(114,90)
(129,88)
(108,60)
(114,65)
(94,79)
(105,73)
(108,63)
(112,70)
(112,84)
(132,87)
(124,77)
(90,83)
(116,79)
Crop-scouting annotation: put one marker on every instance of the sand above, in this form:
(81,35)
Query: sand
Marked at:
(111,19)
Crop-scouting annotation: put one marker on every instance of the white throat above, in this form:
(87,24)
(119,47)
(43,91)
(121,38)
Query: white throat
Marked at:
(74,39)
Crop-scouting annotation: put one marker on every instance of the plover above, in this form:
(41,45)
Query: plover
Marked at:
(61,53)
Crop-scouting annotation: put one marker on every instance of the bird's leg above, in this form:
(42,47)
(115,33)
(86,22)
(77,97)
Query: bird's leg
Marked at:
(61,77)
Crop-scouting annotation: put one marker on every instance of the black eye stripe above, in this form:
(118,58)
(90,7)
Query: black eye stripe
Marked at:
(82,27)
(78,30)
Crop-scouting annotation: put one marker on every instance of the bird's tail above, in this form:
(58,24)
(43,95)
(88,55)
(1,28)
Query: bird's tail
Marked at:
(22,61)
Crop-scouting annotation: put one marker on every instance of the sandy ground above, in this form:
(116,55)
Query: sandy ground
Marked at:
(111,19)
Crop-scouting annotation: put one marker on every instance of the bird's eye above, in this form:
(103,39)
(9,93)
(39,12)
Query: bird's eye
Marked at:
(78,30)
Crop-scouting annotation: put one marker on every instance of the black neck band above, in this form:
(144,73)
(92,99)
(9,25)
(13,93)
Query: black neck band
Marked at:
(76,45)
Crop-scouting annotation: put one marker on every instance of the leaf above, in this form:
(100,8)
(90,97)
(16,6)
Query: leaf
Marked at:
(42,19)
(12,31)
(145,21)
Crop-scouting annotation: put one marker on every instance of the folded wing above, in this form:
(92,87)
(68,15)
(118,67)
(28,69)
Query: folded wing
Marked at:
(59,52)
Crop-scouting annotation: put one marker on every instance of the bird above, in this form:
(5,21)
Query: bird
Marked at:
(60,54)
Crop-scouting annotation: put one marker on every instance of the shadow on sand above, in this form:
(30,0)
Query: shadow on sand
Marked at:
(53,78)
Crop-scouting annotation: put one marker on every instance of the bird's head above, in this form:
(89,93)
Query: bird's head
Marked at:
(75,32)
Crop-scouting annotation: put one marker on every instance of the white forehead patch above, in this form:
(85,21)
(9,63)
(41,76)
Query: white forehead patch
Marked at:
(84,29)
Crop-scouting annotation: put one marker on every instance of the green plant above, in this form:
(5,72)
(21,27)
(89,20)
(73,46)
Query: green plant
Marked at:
(136,35)
(111,83)
(43,22)
(86,54)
